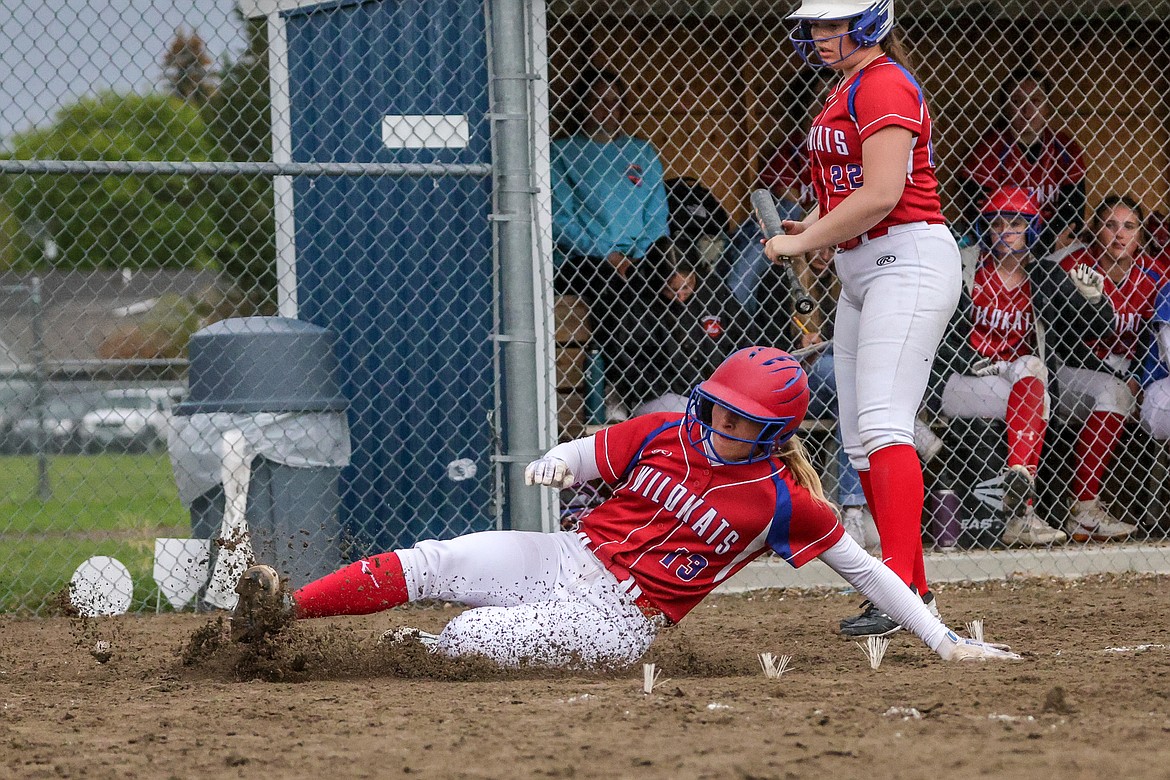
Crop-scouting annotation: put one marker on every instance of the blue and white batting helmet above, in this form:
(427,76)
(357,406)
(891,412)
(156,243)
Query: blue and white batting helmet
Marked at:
(869,23)
(762,384)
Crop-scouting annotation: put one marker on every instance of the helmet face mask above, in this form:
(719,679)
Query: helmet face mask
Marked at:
(1008,203)
(869,24)
(760,384)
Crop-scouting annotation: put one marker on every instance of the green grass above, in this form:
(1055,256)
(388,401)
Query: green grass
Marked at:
(101,505)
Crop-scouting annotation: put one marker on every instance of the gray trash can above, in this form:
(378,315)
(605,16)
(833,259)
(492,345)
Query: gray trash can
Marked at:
(268,383)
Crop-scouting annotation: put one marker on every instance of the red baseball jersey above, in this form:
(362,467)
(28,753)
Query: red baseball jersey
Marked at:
(1001,316)
(997,160)
(679,524)
(1132,301)
(882,94)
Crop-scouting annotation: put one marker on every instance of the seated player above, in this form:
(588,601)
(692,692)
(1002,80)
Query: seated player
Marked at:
(1003,377)
(695,497)
(1099,378)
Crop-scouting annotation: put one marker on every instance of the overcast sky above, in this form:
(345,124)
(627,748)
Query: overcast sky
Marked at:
(55,51)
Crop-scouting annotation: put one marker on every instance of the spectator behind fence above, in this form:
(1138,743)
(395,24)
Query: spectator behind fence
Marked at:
(999,372)
(699,225)
(1099,378)
(1022,149)
(689,326)
(609,202)
(751,276)
(1156,402)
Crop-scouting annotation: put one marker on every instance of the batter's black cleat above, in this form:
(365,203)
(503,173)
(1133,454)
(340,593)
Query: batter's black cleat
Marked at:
(259,608)
(871,622)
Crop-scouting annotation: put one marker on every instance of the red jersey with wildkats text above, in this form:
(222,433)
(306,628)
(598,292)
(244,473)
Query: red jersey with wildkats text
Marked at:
(678,524)
(882,94)
(1001,316)
(1132,302)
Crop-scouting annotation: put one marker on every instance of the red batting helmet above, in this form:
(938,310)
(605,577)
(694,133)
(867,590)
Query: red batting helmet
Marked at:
(1012,202)
(763,384)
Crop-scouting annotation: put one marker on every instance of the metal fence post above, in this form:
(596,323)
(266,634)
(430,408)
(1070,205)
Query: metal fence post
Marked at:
(44,492)
(514,189)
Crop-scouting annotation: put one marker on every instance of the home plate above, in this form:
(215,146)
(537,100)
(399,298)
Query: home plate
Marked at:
(101,586)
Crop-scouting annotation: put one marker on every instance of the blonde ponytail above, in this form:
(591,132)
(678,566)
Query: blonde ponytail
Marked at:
(793,454)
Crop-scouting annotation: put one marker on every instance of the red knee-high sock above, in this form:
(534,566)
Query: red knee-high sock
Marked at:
(896,503)
(1025,423)
(867,489)
(369,585)
(1094,451)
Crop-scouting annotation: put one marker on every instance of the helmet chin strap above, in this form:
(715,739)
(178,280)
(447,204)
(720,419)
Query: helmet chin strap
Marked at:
(841,55)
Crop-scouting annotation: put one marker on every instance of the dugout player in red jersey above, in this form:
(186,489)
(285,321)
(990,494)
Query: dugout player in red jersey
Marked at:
(1023,150)
(1099,379)
(872,166)
(696,496)
(1002,375)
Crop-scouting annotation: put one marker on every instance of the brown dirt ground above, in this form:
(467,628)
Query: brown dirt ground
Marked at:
(174,700)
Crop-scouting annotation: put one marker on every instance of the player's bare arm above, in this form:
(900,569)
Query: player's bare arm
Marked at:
(884,158)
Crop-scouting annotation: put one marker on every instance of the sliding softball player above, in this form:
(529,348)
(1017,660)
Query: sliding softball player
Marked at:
(873,171)
(695,497)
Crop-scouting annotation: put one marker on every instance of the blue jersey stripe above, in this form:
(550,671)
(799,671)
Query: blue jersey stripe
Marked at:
(778,532)
(645,443)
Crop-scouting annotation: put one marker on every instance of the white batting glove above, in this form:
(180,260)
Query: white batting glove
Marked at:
(1090,283)
(959,648)
(988,367)
(550,472)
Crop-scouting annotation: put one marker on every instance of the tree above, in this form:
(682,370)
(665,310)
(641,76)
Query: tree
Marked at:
(104,221)
(238,118)
(187,68)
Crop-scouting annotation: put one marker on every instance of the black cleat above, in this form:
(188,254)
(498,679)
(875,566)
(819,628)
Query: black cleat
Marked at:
(259,607)
(871,622)
(1018,490)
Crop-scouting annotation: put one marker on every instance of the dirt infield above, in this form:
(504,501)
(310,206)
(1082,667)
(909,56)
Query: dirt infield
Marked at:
(1090,700)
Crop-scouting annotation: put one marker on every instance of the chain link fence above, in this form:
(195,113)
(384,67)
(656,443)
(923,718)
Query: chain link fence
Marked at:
(170,166)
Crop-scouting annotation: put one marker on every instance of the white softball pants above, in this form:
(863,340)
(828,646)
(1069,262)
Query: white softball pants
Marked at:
(898,293)
(1082,391)
(1156,409)
(986,397)
(537,599)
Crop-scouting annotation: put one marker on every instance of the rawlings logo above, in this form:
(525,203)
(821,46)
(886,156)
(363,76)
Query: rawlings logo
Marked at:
(712,326)
(886,259)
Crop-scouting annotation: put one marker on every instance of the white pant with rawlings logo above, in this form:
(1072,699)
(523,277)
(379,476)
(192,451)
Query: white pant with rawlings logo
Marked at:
(898,293)
(538,599)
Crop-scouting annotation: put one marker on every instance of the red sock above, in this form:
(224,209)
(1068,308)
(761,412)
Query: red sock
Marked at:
(1025,423)
(1094,451)
(370,585)
(896,503)
(867,489)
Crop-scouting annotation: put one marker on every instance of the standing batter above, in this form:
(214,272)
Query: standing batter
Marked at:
(695,498)
(873,171)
